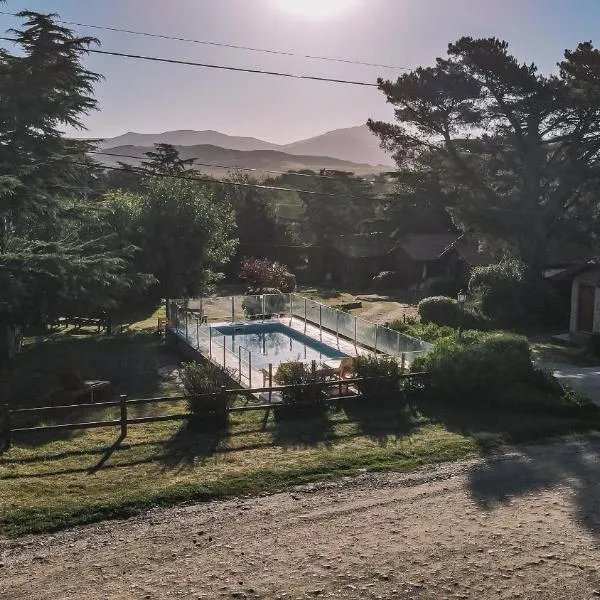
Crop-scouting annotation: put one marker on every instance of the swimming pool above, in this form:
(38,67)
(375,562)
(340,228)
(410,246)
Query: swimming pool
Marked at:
(274,343)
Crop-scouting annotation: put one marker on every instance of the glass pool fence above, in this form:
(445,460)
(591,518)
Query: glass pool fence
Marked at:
(196,318)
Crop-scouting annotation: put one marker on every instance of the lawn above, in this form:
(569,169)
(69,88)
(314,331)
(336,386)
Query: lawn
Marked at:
(53,481)
(50,484)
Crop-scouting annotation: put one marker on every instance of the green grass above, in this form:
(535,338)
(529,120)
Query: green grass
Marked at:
(49,482)
(53,484)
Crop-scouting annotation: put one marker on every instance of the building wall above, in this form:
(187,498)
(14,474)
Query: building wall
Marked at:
(591,277)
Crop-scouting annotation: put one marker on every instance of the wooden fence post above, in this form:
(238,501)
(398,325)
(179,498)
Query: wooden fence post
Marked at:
(123,406)
(5,433)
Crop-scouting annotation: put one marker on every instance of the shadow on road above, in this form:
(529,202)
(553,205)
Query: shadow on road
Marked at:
(575,466)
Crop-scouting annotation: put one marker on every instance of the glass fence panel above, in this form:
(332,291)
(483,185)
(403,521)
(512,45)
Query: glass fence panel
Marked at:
(365,333)
(312,312)
(329,319)
(298,306)
(251,307)
(277,304)
(387,341)
(346,325)
(215,310)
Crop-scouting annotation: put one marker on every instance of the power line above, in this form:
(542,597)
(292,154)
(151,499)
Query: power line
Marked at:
(189,63)
(231,183)
(221,44)
(231,167)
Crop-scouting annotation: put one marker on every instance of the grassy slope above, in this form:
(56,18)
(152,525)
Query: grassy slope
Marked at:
(51,482)
(57,484)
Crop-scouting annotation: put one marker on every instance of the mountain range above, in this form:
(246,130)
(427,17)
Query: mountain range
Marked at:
(352,149)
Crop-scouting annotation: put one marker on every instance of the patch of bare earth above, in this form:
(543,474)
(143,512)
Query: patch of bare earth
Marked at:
(526,525)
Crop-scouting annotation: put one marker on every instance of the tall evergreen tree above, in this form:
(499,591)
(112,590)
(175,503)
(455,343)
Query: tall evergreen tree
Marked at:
(48,250)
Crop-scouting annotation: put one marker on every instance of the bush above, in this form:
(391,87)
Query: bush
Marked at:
(306,398)
(275,303)
(428,332)
(440,310)
(510,296)
(201,383)
(485,369)
(261,273)
(385,370)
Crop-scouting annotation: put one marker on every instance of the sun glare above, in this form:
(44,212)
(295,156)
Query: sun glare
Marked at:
(316,9)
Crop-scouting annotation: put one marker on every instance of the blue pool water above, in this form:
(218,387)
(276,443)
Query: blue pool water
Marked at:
(274,343)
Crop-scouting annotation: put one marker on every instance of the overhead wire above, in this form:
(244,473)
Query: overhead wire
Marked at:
(229,183)
(231,167)
(190,63)
(220,44)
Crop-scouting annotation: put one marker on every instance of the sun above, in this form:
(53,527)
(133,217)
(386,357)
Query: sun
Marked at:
(316,9)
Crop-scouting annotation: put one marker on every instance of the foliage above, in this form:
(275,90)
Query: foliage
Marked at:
(491,369)
(183,232)
(428,332)
(165,160)
(257,225)
(382,377)
(307,391)
(510,296)
(261,273)
(51,252)
(274,302)
(440,310)
(203,383)
(504,141)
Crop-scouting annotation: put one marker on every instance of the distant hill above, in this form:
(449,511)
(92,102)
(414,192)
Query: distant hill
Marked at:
(253,159)
(354,144)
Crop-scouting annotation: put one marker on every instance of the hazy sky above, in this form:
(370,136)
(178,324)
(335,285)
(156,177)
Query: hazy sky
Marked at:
(148,97)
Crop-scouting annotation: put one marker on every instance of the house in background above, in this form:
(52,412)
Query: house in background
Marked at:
(414,258)
(585,299)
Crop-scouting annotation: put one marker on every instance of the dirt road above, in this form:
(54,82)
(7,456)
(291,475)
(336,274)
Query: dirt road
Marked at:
(526,525)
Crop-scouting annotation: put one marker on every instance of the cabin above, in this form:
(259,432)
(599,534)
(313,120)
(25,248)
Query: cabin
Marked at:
(585,299)
(353,260)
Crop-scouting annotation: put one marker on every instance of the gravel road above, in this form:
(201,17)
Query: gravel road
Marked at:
(525,525)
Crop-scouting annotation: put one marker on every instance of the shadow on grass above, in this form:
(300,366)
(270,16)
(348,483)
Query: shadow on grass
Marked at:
(136,364)
(380,420)
(191,446)
(293,431)
(493,429)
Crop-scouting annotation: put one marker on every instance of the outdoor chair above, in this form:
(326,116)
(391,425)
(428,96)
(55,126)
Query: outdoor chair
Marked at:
(74,388)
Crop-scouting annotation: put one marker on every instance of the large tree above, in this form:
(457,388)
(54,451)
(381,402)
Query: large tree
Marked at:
(48,250)
(517,151)
(183,228)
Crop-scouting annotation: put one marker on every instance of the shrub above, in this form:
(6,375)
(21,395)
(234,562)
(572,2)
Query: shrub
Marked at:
(440,310)
(428,332)
(261,273)
(511,296)
(274,303)
(306,398)
(382,377)
(483,369)
(201,383)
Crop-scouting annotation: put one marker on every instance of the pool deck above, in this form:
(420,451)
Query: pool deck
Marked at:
(248,376)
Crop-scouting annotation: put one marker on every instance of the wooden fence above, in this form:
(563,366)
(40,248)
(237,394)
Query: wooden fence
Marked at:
(9,431)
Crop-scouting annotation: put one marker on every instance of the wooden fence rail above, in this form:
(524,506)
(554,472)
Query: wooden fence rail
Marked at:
(8,431)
